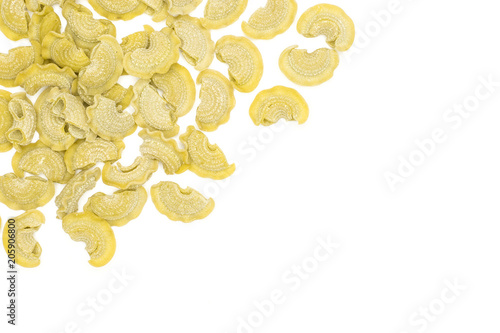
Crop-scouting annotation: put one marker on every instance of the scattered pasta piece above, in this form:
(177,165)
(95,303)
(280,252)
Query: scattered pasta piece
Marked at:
(42,23)
(269,21)
(119,9)
(85,154)
(70,108)
(129,177)
(24,120)
(222,13)
(16,61)
(25,193)
(157,146)
(38,76)
(183,7)
(64,52)
(14,19)
(109,121)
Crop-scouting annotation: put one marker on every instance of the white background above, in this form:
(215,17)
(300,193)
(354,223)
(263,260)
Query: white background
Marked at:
(400,248)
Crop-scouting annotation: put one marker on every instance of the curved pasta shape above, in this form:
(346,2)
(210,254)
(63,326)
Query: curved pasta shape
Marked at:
(205,159)
(14,19)
(38,76)
(222,13)
(136,40)
(178,88)
(64,52)
(85,154)
(42,23)
(152,111)
(196,42)
(25,193)
(24,120)
(161,53)
(217,100)
(77,186)
(185,205)
(156,5)
(6,121)
(96,233)
(119,9)
(278,103)
(161,14)
(84,29)
(16,61)
(109,121)
(120,95)
(51,128)
(28,250)
(269,21)
(70,108)
(244,60)
(106,66)
(119,208)
(183,7)
(157,146)
(129,177)
(330,21)
(308,69)
(38,159)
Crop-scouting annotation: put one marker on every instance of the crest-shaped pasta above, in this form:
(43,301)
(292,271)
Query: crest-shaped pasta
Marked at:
(85,154)
(42,23)
(38,76)
(152,111)
(217,100)
(106,66)
(25,193)
(120,95)
(84,29)
(14,19)
(51,128)
(70,108)
(196,42)
(205,159)
(269,21)
(161,53)
(27,249)
(183,7)
(308,69)
(16,61)
(278,103)
(119,9)
(119,208)
(185,205)
(6,121)
(136,40)
(109,121)
(330,21)
(178,88)
(157,146)
(129,177)
(244,60)
(64,52)
(24,120)
(38,159)
(84,181)
(96,233)
(222,13)
(162,13)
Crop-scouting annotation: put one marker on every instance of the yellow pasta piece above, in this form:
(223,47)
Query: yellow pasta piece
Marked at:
(162,13)
(109,121)
(96,233)
(278,103)
(183,7)
(196,42)
(119,9)
(119,208)
(67,201)
(25,193)
(14,19)
(51,128)
(106,66)
(27,249)
(137,40)
(308,69)
(205,159)
(42,23)
(178,88)
(185,205)
(70,108)
(269,21)
(121,96)
(16,61)
(38,159)
(129,177)
(156,5)
(244,60)
(64,52)
(24,125)
(161,53)
(157,146)
(152,111)
(222,13)
(85,154)
(6,121)
(38,76)
(217,100)
(330,21)
(84,29)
